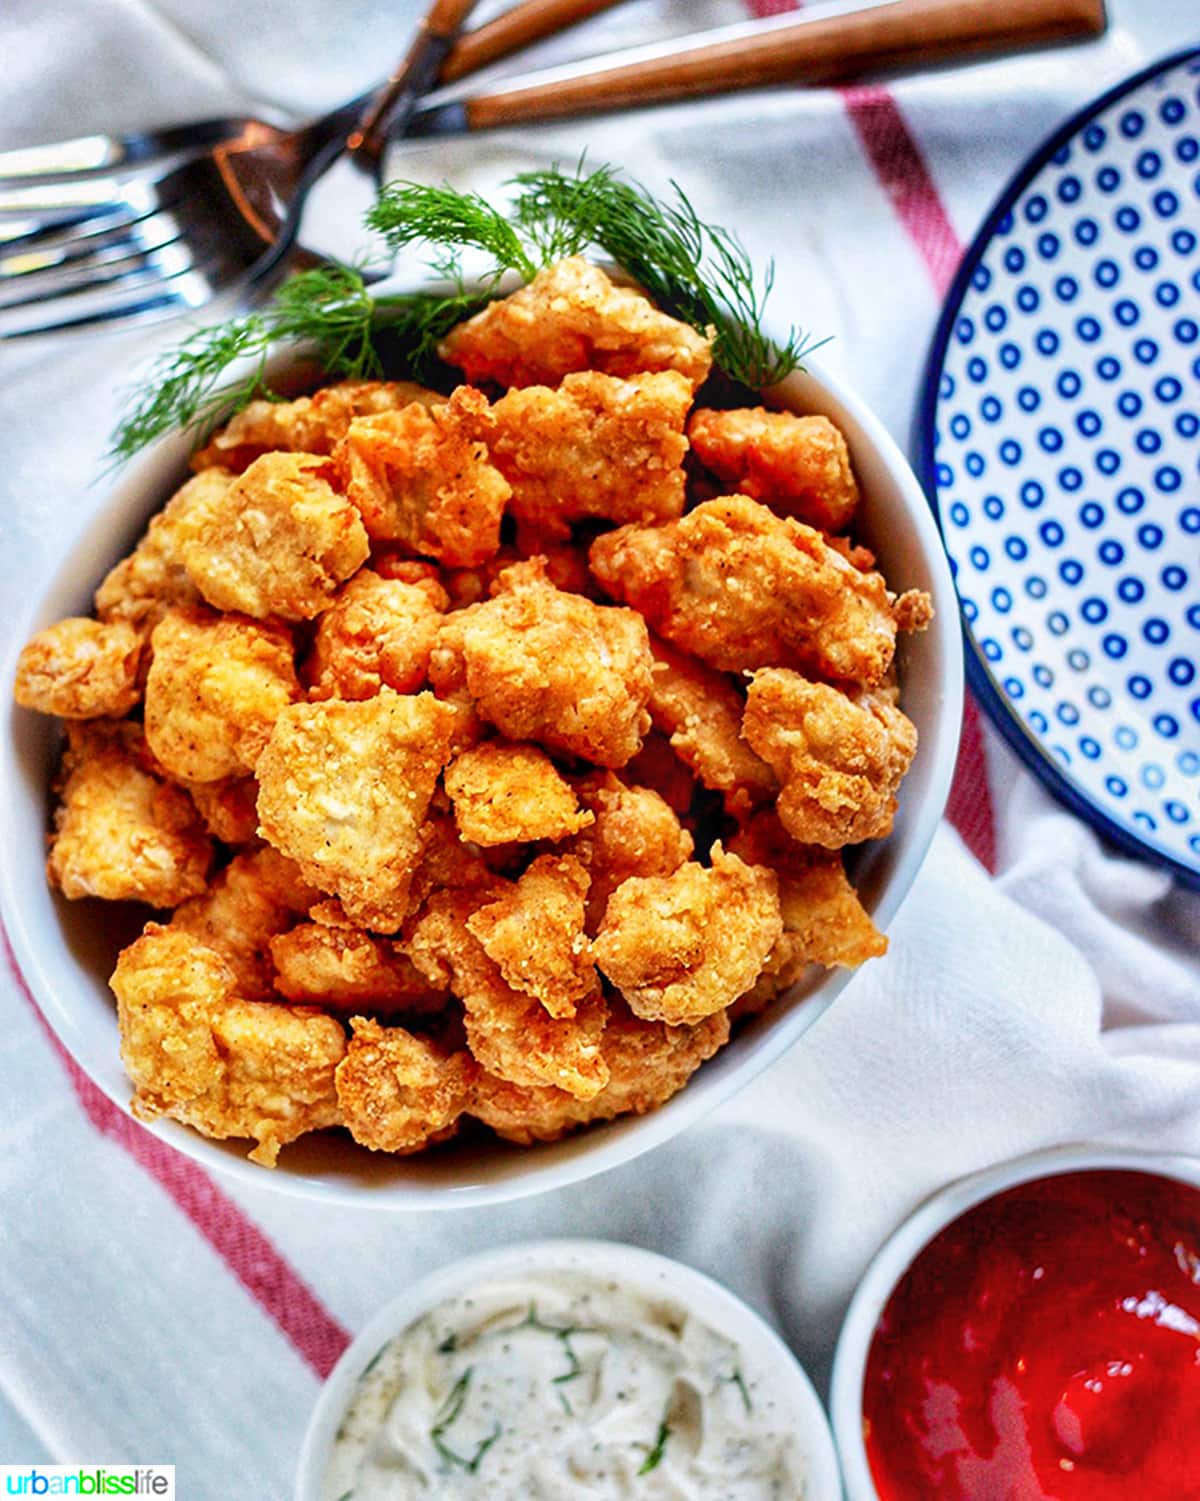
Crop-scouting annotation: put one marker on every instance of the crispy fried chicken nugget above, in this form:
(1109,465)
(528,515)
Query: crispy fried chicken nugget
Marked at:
(503,793)
(330,962)
(278,541)
(701,710)
(743,588)
(597,446)
(682,947)
(509,1032)
(377,633)
(344,787)
(80,669)
(840,759)
(635,834)
(198,1052)
(143,586)
(229,808)
(253,898)
(120,832)
(215,688)
(647,1062)
(421,476)
(799,466)
(310,424)
(555,668)
(447,860)
(400,1093)
(572,317)
(535,934)
(823,920)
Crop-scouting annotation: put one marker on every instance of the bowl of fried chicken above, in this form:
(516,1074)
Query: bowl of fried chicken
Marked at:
(440,795)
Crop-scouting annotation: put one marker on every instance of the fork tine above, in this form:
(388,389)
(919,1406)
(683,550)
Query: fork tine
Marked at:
(96,247)
(132,270)
(169,301)
(86,155)
(77,198)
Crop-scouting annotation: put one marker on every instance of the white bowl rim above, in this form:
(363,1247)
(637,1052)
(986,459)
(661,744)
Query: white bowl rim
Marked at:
(905,1244)
(603,1147)
(647,1270)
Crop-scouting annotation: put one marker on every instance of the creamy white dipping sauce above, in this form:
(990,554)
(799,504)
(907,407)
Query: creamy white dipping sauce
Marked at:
(562,1386)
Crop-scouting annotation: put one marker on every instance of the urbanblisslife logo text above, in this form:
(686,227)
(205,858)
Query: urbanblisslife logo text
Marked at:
(153,1481)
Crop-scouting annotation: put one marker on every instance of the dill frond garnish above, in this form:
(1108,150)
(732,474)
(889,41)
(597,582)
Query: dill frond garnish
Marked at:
(696,271)
(450,1413)
(738,1380)
(655,1457)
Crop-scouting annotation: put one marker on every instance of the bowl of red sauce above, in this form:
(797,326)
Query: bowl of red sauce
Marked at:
(1031,1334)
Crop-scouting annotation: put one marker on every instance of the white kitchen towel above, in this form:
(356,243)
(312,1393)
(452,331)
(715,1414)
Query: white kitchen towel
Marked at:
(149,1312)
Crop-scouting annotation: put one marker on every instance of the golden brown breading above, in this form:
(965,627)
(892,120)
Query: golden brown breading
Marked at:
(742,588)
(152,578)
(278,541)
(510,1033)
(701,710)
(228,808)
(120,832)
(400,1093)
(635,834)
(378,632)
(552,667)
(503,793)
(647,1062)
(682,947)
(840,759)
(448,860)
(421,476)
(216,686)
(198,1052)
(252,899)
(534,933)
(334,963)
(597,446)
(310,424)
(572,317)
(80,669)
(344,787)
(799,466)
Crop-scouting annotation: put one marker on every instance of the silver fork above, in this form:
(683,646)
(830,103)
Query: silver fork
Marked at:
(98,248)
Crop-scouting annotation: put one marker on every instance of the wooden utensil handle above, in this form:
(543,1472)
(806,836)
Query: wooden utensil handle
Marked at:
(833,49)
(519,27)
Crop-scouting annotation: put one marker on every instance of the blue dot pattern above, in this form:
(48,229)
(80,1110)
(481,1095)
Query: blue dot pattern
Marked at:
(1067,436)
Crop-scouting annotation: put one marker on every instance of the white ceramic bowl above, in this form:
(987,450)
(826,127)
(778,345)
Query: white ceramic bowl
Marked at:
(66,950)
(899,1253)
(632,1267)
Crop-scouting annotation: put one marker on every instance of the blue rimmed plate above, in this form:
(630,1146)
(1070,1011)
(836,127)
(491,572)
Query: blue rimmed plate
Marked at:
(1060,446)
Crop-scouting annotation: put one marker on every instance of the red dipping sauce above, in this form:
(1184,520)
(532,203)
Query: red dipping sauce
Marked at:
(1045,1347)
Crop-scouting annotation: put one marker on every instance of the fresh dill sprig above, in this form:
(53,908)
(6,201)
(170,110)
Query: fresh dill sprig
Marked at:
(655,1457)
(407,213)
(451,1411)
(738,1380)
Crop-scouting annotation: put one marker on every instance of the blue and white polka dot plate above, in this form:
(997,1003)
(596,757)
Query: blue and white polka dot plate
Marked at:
(1060,439)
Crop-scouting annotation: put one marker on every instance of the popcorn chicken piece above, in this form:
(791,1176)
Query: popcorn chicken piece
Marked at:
(635,834)
(215,687)
(228,808)
(701,710)
(143,586)
(344,787)
(378,632)
(534,934)
(503,793)
(647,1062)
(400,1093)
(742,588)
(120,832)
(80,669)
(310,424)
(840,759)
(278,541)
(510,1033)
(572,317)
(333,963)
(421,476)
(428,577)
(198,1052)
(597,446)
(448,861)
(551,667)
(682,947)
(799,466)
(253,898)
